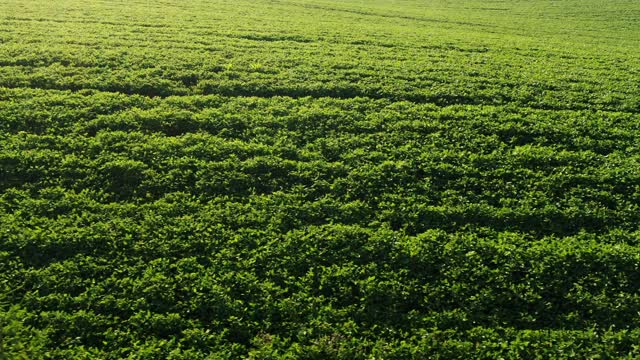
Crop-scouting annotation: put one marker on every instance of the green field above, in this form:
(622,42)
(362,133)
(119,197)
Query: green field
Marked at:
(320,179)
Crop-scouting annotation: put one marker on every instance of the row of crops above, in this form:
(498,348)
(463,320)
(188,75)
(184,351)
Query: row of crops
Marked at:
(205,180)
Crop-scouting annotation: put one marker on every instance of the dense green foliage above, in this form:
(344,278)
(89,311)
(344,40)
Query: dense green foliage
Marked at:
(319,179)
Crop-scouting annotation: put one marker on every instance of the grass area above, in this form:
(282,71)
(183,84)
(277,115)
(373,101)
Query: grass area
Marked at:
(319,179)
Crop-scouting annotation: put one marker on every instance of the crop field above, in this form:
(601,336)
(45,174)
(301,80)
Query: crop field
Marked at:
(320,179)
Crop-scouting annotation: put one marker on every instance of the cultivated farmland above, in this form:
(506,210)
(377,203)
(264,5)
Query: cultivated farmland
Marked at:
(319,179)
